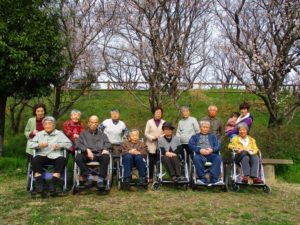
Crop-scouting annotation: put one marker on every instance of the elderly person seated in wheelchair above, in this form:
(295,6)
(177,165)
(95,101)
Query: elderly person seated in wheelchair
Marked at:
(246,154)
(94,146)
(206,148)
(49,144)
(134,152)
(171,150)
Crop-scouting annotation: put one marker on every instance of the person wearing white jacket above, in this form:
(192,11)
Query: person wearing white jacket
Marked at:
(153,131)
(115,129)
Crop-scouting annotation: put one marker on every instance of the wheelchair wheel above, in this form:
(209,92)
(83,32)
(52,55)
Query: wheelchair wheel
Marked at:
(28,177)
(155,186)
(74,189)
(146,186)
(234,186)
(225,188)
(28,183)
(186,187)
(267,189)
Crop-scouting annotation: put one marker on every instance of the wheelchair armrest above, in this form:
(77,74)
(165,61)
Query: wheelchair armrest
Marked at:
(77,151)
(65,152)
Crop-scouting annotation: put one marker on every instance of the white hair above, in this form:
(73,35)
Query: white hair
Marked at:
(49,118)
(75,111)
(204,122)
(243,125)
(134,130)
(185,107)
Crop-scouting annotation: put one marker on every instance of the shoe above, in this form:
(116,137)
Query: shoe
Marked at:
(142,180)
(245,180)
(217,182)
(39,184)
(52,185)
(100,185)
(52,188)
(174,179)
(181,178)
(256,180)
(200,182)
(89,181)
(126,183)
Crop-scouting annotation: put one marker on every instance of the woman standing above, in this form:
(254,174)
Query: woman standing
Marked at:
(34,125)
(153,131)
(73,128)
(245,117)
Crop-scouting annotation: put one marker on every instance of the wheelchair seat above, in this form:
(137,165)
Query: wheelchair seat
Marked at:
(93,163)
(207,164)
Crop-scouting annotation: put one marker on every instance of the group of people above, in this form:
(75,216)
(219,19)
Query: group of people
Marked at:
(200,140)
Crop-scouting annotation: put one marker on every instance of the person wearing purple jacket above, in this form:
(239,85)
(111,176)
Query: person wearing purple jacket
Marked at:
(245,117)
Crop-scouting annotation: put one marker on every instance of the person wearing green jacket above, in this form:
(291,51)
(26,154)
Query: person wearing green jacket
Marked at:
(49,143)
(34,125)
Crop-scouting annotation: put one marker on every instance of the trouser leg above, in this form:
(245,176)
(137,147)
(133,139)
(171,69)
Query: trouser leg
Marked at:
(59,164)
(81,160)
(38,162)
(152,161)
(167,162)
(215,168)
(254,162)
(199,162)
(176,165)
(245,165)
(127,161)
(104,161)
(140,165)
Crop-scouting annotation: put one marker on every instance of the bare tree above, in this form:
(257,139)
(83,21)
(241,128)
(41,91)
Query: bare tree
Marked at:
(84,24)
(265,37)
(164,42)
(222,63)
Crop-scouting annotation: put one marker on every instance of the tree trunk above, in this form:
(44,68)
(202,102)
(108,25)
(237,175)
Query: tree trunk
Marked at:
(57,101)
(274,122)
(2,122)
(151,99)
(16,115)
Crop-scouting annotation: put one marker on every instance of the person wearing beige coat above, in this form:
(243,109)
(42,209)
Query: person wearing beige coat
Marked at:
(153,131)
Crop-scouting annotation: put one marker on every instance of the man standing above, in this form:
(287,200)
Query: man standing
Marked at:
(94,146)
(216,124)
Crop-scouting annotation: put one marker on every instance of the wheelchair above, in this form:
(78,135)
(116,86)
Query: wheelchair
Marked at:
(236,174)
(196,184)
(47,175)
(93,166)
(134,175)
(160,174)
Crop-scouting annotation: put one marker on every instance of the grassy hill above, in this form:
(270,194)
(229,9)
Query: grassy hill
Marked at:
(169,205)
(280,143)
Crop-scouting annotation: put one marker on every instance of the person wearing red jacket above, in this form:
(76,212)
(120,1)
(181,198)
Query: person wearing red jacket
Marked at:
(73,128)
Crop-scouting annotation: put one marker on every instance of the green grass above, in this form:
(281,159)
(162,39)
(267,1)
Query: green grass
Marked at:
(168,205)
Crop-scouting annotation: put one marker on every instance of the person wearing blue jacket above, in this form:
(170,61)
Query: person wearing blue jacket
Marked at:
(206,147)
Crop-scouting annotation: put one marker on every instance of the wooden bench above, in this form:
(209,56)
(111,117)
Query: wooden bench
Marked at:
(269,167)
